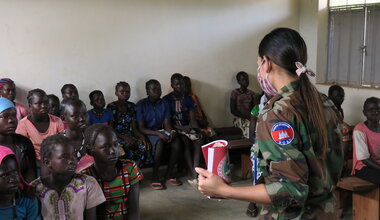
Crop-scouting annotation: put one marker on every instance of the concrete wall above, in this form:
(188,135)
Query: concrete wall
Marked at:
(94,44)
(314,28)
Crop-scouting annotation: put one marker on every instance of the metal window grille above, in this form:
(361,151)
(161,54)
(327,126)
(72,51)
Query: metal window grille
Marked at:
(354,45)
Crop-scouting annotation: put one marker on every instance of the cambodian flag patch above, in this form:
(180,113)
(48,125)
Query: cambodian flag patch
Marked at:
(282,133)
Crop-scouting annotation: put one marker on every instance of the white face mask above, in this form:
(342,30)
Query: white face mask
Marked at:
(265,85)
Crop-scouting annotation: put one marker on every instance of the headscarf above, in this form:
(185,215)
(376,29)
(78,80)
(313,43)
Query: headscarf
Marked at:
(4,152)
(5,104)
(5,81)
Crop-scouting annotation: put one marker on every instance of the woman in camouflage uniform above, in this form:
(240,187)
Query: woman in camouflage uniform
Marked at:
(299,138)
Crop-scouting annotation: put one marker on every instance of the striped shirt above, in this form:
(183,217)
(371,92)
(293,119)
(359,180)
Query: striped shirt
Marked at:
(116,191)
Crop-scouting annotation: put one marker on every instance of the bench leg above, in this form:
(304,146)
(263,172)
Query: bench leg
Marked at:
(365,205)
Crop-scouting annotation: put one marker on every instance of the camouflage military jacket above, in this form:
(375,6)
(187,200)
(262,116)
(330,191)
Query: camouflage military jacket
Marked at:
(300,183)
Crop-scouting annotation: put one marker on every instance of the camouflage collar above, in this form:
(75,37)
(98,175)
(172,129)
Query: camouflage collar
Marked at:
(282,93)
(289,88)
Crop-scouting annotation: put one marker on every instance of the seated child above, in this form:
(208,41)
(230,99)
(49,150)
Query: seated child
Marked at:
(20,145)
(242,101)
(74,115)
(153,118)
(54,105)
(39,124)
(118,179)
(134,143)
(69,91)
(16,198)
(63,193)
(336,94)
(200,116)
(98,114)
(183,119)
(366,138)
(8,90)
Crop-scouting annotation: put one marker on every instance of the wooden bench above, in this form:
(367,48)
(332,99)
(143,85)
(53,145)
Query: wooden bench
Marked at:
(237,142)
(365,198)
(244,146)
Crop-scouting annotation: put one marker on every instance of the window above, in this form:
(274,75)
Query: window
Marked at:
(354,43)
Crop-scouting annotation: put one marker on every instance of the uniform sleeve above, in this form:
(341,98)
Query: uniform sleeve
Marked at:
(279,138)
(135,173)
(361,147)
(95,194)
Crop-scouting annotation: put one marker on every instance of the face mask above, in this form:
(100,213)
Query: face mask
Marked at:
(265,85)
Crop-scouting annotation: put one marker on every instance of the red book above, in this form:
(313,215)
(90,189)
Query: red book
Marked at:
(216,157)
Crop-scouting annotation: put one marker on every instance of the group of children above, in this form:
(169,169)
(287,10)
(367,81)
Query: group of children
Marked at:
(83,164)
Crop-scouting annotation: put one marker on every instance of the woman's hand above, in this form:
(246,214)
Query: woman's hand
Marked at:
(210,184)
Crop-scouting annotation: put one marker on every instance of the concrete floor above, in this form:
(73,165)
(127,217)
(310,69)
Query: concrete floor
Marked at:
(184,202)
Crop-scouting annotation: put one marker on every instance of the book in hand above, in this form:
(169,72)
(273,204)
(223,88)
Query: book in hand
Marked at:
(216,157)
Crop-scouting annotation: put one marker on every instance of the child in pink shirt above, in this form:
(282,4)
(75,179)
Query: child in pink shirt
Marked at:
(8,90)
(366,138)
(39,124)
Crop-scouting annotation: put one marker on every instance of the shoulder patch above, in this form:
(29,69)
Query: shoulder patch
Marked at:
(282,133)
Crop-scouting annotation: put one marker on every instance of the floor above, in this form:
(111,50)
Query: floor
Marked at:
(186,203)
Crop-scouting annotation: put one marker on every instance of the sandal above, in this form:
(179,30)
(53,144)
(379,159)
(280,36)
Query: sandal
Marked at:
(157,186)
(174,182)
(252,210)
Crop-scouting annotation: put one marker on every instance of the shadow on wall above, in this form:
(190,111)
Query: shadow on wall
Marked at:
(21,94)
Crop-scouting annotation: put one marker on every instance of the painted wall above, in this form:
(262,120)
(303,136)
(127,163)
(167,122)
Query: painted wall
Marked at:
(314,28)
(94,44)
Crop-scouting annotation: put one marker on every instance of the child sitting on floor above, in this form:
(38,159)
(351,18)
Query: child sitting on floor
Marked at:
(16,199)
(242,101)
(39,124)
(54,105)
(366,138)
(74,115)
(99,114)
(118,179)
(63,193)
(8,90)
(134,143)
(69,91)
(183,119)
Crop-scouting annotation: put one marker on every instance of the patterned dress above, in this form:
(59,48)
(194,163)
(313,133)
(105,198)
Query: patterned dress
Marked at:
(82,193)
(124,114)
(116,191)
